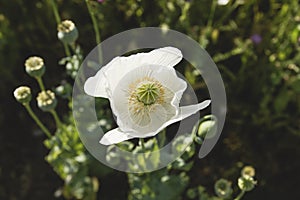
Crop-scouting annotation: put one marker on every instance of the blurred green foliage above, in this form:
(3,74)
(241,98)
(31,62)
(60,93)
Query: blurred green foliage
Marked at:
(254,43)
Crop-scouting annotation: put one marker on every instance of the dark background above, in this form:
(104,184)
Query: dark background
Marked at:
(264,136)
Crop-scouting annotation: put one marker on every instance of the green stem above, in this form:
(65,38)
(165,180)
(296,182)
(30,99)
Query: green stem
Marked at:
(67,50)
(142,144)
(38,122)
(56,118)
(240,195)
(96,29)
(58,20)
(162,138)
(41,84)
(212,13)
(229,11)
(55,11)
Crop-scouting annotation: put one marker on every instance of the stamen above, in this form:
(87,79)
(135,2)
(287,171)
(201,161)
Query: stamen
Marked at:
(143,95)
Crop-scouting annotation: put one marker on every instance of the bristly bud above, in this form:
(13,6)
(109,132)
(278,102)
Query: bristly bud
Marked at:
(246,183)
(46,101)
(35,67)
(67,32)
(23,94)
(223,188)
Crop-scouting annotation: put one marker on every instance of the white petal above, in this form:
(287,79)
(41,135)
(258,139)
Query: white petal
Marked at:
(141,123)
(167,76)
(96,86)
(185,112)
(114,136)
(167,56)
(223,2)
(107,78)
(114,72)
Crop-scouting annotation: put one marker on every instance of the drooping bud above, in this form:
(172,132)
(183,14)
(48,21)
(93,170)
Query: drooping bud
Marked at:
(67,32)
(46,100)
(35,67)
(23,94)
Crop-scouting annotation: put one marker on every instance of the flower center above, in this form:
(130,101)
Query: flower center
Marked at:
(148,93)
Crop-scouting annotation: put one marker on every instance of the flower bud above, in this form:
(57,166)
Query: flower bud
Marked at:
(46,100)
(181,143)
(208,127)
(35,67)
(23,94)
(67,32)
(246,183)
(64,90)
(198,140)
(248,171)
(223,188)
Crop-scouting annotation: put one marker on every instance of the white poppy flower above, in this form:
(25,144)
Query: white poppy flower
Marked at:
(144,93)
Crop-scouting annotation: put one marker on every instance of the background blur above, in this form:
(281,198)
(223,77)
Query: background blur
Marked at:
(254,43)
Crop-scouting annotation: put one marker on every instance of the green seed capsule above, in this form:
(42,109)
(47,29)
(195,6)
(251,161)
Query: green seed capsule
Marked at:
(35,67)
(246,183)
(223,188)
(23,94)
(46,101)
(67,32)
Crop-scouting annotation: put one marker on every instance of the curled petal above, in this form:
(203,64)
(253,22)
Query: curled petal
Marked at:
(114,136)
(96,86)
(186,111)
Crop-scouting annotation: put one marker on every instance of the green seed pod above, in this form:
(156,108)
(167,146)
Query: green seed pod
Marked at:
(46,101)
(246,183)
(208,127)
(35,67)
(67,32)
(23,94)
(223,188)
